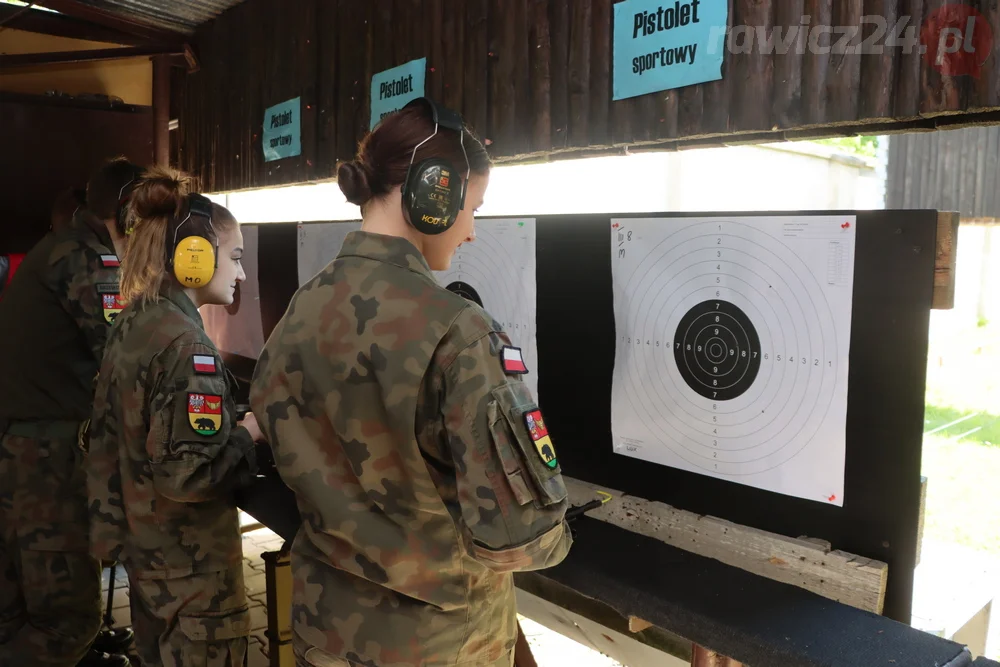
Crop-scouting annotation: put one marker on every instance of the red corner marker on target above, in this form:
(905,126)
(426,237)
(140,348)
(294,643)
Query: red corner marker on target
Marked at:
(956,40)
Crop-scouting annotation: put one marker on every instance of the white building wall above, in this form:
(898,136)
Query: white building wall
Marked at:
(791,176)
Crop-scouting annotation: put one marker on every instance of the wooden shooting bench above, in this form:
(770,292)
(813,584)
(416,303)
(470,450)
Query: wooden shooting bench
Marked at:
(648,584)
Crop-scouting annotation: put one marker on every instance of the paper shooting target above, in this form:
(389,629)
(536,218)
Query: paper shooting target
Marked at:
(497,272)
(732,347)
(466,290)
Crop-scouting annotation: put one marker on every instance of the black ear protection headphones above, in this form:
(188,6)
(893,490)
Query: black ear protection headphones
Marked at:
(431,197)
(120,209)
(195,256)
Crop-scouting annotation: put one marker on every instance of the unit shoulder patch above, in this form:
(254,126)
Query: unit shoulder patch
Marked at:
(540,436)
(205,413)
(513,360)
(112,304)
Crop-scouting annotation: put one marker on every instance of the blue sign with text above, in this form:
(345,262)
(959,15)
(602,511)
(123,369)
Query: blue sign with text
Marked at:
(659,45)
(283,130)
(393,88)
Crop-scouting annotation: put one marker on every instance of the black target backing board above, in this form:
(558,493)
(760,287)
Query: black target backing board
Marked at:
(893,284)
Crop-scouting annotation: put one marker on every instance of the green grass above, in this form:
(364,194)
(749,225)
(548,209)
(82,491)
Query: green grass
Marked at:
(965,425)
(962,504)
(961,452)
(963,369)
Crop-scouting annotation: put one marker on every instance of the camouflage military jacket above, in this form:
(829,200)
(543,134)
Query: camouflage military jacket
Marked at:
(386,402)
(165,452)
(54,320)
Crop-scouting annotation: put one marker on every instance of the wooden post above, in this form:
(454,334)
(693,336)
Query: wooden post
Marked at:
(278,575)
(161,111)
(944,260)
(920,521)
(522,651)
(703,657)
(982,309)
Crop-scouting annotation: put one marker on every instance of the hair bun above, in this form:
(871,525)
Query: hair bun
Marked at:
(161,192)
(353,181)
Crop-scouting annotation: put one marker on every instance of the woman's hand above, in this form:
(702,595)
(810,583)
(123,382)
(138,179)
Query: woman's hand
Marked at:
(249,422)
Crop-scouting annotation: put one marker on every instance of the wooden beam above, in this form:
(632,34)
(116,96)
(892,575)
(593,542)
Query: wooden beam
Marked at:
(945,257)
(70,101)
(161,111)
(807,563)
(191,59)
(18,13)
(595,625)
(704,657)
(523,657)
(90,55)
(57,25)
(108,19)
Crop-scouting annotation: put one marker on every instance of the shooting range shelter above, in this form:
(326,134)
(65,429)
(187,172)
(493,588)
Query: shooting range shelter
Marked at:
(745,578)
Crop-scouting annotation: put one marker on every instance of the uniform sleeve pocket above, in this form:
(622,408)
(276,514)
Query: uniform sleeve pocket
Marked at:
(216,627)
(524,446)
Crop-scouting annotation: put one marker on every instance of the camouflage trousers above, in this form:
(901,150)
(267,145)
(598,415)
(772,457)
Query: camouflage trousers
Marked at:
(50,586)
(201,620)
(312,656)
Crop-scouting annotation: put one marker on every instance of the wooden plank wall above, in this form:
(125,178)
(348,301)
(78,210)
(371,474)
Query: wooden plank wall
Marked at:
(955,170)
(533,77)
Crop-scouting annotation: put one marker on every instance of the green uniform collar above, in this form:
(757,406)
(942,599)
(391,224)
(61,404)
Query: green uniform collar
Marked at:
(389,249)
(85,221)
(174,293)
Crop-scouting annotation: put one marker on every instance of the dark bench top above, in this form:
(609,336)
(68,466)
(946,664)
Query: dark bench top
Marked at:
(749,618)
(752,619)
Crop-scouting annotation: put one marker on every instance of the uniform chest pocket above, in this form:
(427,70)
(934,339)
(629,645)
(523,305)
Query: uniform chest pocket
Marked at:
(523,443)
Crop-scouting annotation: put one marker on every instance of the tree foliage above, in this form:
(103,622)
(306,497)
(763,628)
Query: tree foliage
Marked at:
(862,146)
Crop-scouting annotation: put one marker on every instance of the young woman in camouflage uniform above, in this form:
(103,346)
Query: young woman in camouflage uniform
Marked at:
(53,327)
(166,451)
(395,419)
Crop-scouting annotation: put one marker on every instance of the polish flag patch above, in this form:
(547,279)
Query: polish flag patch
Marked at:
(110,260)
(204,363)
(513,361)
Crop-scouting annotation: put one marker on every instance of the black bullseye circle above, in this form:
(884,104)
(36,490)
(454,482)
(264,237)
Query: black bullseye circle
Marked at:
(717,350)
(466,290)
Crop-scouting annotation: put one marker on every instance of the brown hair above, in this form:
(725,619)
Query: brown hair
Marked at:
(384,154)
(158,205)
(104,189)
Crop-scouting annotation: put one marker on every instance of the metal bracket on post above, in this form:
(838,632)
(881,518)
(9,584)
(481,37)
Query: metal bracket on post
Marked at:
(109,620)
(278,577)
(703,657)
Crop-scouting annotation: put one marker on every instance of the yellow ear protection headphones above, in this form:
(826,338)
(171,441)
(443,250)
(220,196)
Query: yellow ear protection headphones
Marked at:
(431,195)
(194,257)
